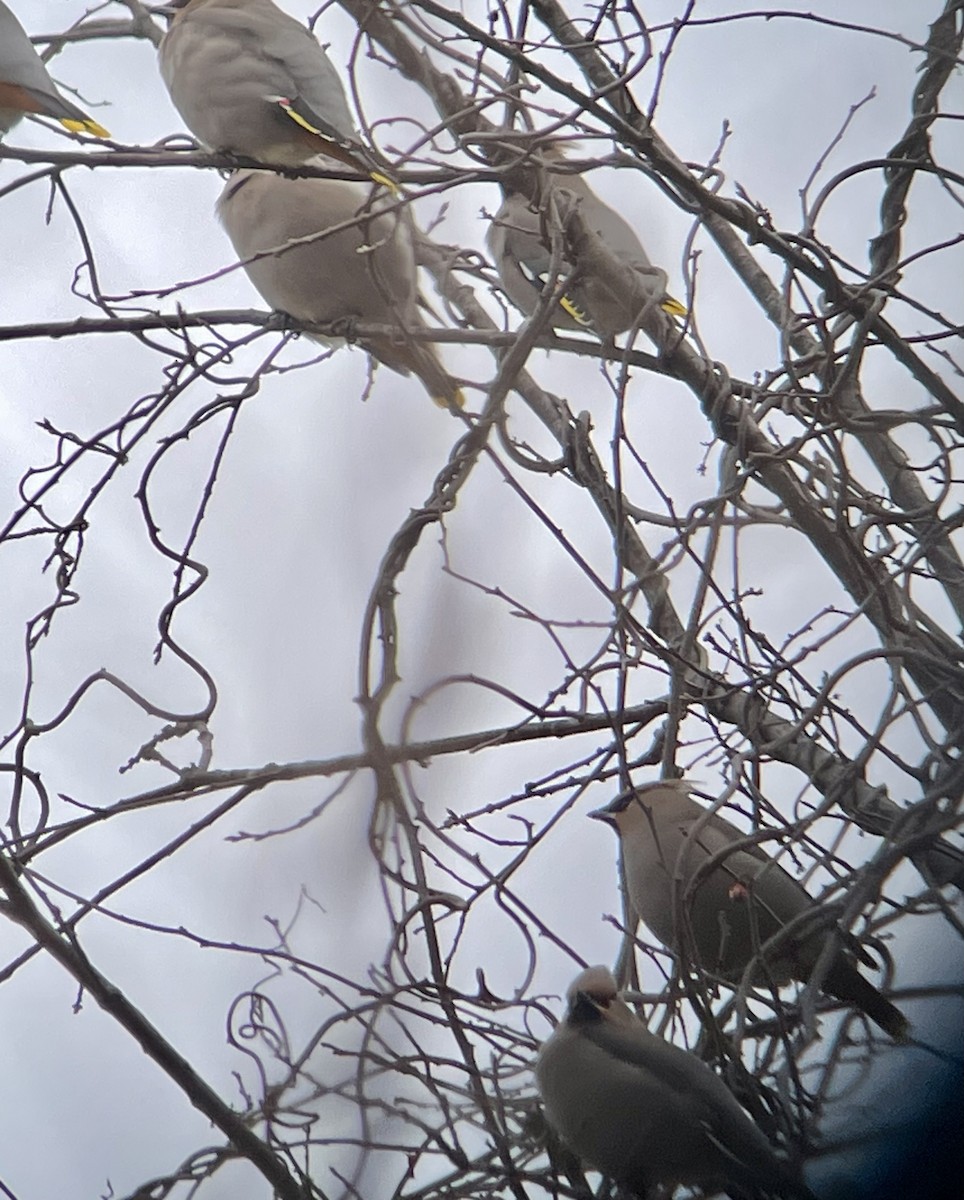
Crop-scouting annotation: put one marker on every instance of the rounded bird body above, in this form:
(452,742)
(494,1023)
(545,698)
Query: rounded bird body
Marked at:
(717,901)
(519,240)
(644,1111)
(354,259)
(26,86)
(250,80)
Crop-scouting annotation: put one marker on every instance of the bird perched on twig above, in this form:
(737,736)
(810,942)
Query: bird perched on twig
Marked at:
(354,260)
(709,895)
(645,1112)
(26,86)
(250,80)
(519,239)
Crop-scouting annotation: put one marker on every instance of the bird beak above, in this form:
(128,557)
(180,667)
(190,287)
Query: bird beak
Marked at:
(609,812)
(604,814)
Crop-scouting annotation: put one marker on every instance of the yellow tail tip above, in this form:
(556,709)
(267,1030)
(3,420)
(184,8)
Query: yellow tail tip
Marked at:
(673,307)
(454,399)
(86,126)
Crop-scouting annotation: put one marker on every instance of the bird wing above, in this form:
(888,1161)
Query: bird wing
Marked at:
(663,1065)
(312,89)
(621,240)
(679,1078)
(777,895)
(745,863)
(523,262)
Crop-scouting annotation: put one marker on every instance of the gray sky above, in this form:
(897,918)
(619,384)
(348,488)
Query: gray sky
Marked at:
(312,487)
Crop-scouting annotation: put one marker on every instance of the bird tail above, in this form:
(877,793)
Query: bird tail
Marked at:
(60,109)
(776,1176)
(846,983)
(85,125)
(418,358)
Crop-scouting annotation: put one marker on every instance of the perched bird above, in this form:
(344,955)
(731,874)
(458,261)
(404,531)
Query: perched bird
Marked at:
(26,87)
(519,241)
(250,80)
(720,906)
(645,1112)
(364,269)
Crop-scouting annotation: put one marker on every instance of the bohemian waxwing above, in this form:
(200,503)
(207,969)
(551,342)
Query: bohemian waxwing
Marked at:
(720,914)
(517,240)
(645,1112)
(248,79)
(365,271)
(25,86)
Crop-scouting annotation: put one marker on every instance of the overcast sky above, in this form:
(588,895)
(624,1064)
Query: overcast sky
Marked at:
(312,485)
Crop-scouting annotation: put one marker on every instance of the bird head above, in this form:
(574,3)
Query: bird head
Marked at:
(593,996)
(633,806)
(589,995)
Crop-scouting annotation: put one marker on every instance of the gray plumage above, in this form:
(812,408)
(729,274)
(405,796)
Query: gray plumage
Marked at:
(26,86)
(250,80)
(365,271)
(734,906)
(519,240)
(645,1112)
